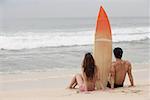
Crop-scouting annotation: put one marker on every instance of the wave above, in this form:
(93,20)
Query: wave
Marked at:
(29,40)
(48,40)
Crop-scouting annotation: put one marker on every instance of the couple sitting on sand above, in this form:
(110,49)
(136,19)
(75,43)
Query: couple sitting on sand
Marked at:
(87,80)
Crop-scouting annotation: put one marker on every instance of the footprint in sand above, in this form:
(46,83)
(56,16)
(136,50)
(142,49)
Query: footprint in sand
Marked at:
(124,91)
(136,91)
(131,91)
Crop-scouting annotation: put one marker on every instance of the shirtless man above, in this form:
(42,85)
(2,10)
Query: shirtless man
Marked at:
(118,71)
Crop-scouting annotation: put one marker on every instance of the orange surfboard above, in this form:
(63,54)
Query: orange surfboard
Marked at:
(103,47)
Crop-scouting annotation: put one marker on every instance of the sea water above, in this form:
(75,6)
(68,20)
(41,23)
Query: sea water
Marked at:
(47,44)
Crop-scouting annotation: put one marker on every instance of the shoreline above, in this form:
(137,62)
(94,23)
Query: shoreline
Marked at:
(54,73)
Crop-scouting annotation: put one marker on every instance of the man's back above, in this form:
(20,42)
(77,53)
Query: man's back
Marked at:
(120,69)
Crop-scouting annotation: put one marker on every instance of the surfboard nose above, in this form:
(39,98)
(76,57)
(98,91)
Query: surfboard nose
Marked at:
(103,26)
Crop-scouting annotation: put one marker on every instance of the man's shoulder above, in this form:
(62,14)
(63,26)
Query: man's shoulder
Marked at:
(113,63)
(128,65)
(127,62)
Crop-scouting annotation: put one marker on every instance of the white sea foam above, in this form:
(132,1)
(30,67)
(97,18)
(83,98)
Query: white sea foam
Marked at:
(28,40)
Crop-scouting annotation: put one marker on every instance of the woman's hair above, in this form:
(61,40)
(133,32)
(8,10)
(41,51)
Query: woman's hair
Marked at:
(89,66)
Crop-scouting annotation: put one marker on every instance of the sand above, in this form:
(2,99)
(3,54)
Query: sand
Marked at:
(140,92)
(45,86)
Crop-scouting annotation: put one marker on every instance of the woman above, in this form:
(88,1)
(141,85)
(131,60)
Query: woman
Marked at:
(87,80)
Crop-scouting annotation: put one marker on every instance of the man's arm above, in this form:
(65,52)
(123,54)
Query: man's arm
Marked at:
(130,74)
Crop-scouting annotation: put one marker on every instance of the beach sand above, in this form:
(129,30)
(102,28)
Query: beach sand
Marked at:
(139,92)
(46,86)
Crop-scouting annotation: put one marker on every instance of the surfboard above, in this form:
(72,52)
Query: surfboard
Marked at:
(103,47)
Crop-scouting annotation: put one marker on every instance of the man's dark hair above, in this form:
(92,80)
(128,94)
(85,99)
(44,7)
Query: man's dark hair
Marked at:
(118,52)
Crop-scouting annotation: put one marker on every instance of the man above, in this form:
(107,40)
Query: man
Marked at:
(118,71)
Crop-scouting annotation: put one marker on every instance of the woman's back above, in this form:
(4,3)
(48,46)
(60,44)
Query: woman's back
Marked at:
(87,80)
(90,83)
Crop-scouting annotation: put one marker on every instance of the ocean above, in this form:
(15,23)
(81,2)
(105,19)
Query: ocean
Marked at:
(51,44)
